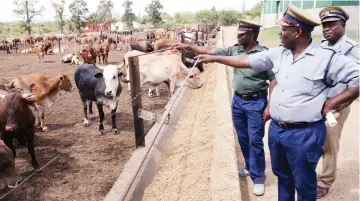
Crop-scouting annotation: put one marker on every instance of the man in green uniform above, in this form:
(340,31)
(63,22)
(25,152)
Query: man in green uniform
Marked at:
(249,101)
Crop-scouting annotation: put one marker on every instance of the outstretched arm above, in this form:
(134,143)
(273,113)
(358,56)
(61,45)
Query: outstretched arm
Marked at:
(240,61)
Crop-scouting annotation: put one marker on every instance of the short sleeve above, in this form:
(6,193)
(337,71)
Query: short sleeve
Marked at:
(344,70)
(270,75)
(263,61)
(354,54)
(223,51)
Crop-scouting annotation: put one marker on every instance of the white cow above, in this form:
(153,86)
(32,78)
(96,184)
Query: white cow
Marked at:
(70,58)
(165,67)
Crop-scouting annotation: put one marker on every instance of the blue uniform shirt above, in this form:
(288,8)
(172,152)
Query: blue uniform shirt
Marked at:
(347,47)
(303,85)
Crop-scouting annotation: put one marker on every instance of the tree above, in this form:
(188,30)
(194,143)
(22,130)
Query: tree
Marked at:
(214,16)
(78,9)
(204,16)
(184,18)
(229,17)
(104,11)
(59,16)
(92,18)
(26,9)
(129,17)
(153,11)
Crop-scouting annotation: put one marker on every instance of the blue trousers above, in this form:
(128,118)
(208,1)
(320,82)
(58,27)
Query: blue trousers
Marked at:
(250,127)
(294,155)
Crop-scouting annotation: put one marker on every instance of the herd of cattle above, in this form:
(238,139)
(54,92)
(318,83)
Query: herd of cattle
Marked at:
(24,99)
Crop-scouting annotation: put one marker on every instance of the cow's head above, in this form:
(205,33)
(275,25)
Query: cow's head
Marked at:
(194,80)
(65,83)
(110,75)
(7,166)
(17,110)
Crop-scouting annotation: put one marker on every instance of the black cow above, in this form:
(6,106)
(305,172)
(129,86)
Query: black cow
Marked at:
(142,46)
(102,86)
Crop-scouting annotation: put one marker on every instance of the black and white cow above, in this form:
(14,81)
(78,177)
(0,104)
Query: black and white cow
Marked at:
(101,85)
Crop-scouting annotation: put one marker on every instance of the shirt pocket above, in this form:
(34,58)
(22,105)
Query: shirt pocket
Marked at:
(311,84)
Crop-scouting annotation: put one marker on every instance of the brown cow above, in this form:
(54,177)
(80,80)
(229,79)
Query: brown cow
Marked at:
(46,89)
(17,121)
(39,49)
(102,50)
(88,54)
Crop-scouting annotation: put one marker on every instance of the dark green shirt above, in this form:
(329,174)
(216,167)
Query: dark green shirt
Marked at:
(247,80)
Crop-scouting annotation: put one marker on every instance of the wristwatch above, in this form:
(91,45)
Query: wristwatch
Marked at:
(188,47)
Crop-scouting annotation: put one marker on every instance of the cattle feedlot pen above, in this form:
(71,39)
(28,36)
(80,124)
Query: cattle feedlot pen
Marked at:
(167,111)
(165,114)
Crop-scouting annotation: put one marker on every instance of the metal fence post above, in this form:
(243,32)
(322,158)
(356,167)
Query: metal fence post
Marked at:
(136,101)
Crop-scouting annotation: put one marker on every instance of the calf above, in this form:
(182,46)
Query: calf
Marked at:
(103,51)
(163,68)
(17,121)
(88,54)
(40,51)
(99,85)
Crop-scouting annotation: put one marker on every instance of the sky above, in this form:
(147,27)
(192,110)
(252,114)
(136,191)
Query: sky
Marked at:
(170,6)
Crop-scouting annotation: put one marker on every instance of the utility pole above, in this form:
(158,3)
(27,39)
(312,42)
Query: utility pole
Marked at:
(243,8)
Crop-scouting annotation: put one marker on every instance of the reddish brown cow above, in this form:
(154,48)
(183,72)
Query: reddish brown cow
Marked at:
(103,51)
(17,121)
(88,54)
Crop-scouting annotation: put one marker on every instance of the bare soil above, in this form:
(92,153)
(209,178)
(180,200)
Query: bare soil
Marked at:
(88,163)
(184,171)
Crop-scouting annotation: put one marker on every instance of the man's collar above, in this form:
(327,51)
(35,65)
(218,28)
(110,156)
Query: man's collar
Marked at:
(257,48)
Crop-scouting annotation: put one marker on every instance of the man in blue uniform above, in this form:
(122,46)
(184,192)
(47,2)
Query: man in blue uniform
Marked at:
(333,20)
(249,101)
(304,73)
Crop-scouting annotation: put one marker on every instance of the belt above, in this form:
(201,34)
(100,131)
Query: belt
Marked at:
(252,96)
(288,125)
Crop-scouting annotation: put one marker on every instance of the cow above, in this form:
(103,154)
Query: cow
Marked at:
(103,51)
(165,68)
(88,54)
(45,88)
(142,46)
(188,54)
(101,86)
(70,58)
(17,121)
(39,49)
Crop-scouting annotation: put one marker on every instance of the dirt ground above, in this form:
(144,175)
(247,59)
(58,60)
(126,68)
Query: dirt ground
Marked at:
(88,164)
(346,186)
(184,171)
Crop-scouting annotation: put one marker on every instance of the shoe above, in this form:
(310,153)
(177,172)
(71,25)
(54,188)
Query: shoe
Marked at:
(244,173)
(259,189)
(321,192)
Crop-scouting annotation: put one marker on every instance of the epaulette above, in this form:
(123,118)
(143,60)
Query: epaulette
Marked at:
(351,42)
(266,48)
(236,44)
(328,48)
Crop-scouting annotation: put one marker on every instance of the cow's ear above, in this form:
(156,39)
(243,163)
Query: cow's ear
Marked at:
(98,74)
(33,86)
